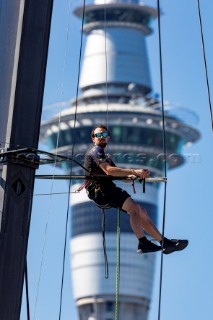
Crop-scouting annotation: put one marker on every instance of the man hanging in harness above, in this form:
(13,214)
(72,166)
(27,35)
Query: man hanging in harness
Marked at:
(106,194)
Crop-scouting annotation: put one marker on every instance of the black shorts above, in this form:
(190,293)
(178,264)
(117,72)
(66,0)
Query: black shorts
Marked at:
(113,197)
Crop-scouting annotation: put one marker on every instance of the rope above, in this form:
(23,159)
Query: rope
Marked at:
(205,63)
(104,245)
(27,292)
(73,139)
(117,282)
(164,151)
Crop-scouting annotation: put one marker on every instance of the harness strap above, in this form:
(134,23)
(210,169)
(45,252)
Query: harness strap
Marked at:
(133,186)
(143,181)
(84,185)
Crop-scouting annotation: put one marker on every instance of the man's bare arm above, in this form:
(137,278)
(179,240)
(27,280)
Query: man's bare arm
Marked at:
(116,171)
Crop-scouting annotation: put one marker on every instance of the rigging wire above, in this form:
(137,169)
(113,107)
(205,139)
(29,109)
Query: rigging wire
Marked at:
(72,153)
(106,64)
(117,282)
(27,291)
(54,193)
(164,152)
(205,63)
(53,157)
(54,166)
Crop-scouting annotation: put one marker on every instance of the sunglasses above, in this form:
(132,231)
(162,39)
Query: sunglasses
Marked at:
(101,134)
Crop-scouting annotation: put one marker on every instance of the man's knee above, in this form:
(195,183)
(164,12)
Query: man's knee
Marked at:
(134,209)
(144,211)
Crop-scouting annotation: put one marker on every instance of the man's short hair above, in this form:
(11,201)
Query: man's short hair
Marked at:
(99,126)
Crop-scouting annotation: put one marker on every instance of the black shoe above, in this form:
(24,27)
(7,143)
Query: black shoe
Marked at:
(170,246)
(146,246)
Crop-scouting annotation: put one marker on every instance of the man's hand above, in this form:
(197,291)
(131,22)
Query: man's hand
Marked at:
(142,173)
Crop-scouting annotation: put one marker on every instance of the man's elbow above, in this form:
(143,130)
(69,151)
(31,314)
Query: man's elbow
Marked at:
(106,169)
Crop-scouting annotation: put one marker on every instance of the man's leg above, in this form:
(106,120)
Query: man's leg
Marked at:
(135,217)
(140,220)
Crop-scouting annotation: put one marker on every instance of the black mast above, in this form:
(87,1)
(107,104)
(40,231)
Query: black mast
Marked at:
(24,38)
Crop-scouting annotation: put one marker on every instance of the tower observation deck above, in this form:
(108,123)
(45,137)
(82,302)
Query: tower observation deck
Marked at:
(115,85)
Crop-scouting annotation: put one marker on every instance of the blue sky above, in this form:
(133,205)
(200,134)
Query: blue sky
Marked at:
(187,276)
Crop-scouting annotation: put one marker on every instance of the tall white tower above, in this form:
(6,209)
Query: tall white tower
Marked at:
(115,65)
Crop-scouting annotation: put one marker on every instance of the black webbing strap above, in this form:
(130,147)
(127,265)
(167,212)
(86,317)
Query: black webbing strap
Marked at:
(104,244)
(143,181)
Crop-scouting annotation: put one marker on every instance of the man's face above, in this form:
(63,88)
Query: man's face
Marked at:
(101,137)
